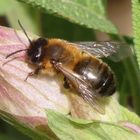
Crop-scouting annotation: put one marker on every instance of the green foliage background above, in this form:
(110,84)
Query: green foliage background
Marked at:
(76,20)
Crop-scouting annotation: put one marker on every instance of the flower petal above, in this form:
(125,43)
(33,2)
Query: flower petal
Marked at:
(25,98)
(131,126)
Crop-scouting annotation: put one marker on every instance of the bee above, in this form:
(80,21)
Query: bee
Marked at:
(79,63)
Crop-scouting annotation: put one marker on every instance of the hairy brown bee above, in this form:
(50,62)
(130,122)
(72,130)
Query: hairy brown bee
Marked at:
(78,62)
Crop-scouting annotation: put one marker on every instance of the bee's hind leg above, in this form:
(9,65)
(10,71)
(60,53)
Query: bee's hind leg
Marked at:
(66,83)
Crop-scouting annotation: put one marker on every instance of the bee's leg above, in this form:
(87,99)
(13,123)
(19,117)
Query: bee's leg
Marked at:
(35,72)
(66,83)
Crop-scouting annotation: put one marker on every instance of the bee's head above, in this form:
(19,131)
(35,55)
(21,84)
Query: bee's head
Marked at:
(36,52)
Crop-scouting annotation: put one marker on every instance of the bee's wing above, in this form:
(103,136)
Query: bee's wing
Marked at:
(116,51)
(82,87)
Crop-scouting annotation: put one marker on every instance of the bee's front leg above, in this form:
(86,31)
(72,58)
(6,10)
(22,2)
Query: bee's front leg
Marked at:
(35,72)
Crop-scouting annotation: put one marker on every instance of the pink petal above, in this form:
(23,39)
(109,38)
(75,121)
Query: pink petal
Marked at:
(25,98)
(33,121)
(131,126)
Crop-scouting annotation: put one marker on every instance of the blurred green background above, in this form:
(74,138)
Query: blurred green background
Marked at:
(49,25)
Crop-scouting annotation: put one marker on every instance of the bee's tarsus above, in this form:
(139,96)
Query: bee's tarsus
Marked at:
(35,72)
(29,74)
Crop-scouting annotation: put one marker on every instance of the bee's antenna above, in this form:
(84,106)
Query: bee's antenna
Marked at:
(15,52)
(24,31)
(20,49)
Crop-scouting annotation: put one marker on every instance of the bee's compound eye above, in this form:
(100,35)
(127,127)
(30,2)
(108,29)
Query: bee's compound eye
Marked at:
(36,50)
(36,55)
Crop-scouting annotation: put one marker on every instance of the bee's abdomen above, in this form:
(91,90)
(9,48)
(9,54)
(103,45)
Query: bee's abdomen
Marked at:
(98,74)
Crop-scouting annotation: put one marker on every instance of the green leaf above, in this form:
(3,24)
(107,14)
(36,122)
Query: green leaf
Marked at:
(132,82)
(4,6)
(53,26)
(70,129)
(5,137)
(136,27)
(33,133)
(128,78)
(26,15)
(96,5)
(126,115)
(75,12)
